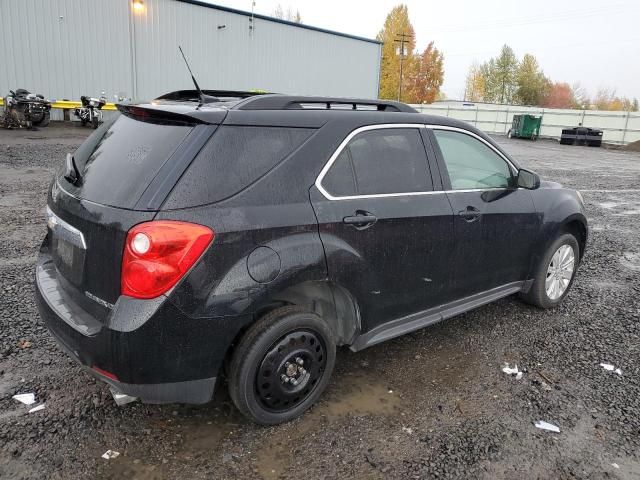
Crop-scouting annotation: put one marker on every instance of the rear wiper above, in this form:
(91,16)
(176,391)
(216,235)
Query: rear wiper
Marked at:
(71,172)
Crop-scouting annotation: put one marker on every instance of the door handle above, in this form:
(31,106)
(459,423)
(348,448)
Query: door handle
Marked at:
(360,220)
(471,214)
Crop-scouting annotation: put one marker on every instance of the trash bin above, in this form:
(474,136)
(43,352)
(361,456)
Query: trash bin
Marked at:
(525,126)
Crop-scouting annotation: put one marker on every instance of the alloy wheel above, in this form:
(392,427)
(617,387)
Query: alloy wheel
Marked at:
(560,272)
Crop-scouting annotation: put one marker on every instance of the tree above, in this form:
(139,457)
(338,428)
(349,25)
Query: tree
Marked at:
(396,23)
(560,95)
(581,96)
(425,77)
(474,84)
(290,15)
(500,76)
(531,82)
(423,73)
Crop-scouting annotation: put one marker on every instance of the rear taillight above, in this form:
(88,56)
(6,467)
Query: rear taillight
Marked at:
(157,254)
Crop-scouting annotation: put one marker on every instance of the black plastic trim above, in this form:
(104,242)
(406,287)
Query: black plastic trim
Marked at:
(416,321)
(169,174)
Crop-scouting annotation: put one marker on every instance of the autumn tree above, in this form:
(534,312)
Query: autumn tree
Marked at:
(532,85)
(423,73)
(425,76)
(474,84)
(559,95)
(396,23)
(581,96)
(500,76)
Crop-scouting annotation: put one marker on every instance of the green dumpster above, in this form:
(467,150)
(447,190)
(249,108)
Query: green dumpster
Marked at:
(525,126)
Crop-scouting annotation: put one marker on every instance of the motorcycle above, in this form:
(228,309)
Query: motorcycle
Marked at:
(91,110)
(23,109)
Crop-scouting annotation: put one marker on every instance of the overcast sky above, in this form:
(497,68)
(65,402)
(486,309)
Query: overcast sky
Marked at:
(594,42)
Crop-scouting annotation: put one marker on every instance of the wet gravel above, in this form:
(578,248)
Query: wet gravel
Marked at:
(432,404)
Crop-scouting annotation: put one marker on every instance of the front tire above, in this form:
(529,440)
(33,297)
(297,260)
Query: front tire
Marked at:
(555,274)
(281,365)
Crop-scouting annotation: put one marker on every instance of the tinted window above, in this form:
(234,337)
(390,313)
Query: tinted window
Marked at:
(470,163)
(119,159)
(389,160)
(234,158)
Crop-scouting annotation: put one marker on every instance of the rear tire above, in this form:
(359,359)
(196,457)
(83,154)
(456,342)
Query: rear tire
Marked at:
(551,282)
(509,134)
(282,365)
(95,122)
(44,121)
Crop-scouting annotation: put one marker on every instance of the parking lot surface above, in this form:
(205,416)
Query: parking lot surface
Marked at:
(432,404)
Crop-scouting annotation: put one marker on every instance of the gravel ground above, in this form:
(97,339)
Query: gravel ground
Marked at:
(433,404)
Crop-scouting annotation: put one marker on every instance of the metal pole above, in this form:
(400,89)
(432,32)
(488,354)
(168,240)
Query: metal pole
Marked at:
(132,53)
(626,124)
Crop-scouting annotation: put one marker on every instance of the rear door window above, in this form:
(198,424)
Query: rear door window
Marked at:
(378,162)
(119,159)
(234,158)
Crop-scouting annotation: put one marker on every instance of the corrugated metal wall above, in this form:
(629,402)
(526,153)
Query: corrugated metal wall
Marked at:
(76,47)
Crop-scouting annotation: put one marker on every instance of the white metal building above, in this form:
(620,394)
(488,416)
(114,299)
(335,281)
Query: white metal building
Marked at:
(67,48)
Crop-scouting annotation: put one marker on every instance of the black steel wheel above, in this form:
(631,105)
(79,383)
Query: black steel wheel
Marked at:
(290,370)
(282,365)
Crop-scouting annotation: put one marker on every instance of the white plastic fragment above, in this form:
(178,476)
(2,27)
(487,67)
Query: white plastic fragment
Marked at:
(37,409)
(407,430)
(541,424)
(121,398)
(26,398)
(615,465)
(512,371)
(611,368)
(109,454)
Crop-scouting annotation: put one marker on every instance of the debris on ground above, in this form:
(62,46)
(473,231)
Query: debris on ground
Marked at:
(611,368)
(615,465)
(24,344)
(37,409)
(407,430)
(541,424)
(109,454)
(26,398)
(512,371)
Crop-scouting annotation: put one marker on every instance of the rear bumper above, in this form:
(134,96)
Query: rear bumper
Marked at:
(149,349)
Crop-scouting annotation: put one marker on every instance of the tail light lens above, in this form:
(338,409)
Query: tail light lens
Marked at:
(157,254)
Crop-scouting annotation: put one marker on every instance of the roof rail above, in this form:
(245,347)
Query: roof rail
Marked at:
(192,95)
(292,102)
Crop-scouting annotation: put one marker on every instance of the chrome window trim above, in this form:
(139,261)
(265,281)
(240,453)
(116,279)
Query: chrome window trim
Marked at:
(341,147)
(343,144)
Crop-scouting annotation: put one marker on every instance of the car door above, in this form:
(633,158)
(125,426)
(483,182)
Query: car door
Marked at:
(386,232)
(495,223)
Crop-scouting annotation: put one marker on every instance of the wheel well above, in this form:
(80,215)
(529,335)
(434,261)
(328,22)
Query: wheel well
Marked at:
(578,230)
(334,304)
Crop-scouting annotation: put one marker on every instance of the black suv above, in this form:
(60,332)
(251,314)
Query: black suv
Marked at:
(249,236)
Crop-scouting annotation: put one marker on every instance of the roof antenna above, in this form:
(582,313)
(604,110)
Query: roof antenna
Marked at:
(203,98)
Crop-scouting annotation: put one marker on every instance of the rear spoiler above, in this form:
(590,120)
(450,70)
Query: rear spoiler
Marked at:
(172,114)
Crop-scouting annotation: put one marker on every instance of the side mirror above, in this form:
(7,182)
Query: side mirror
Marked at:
(528,179)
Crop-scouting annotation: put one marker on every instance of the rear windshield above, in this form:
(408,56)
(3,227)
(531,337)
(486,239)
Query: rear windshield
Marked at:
(234,158)
(119,160)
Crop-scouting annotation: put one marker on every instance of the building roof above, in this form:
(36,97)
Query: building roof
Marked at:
(277,20)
